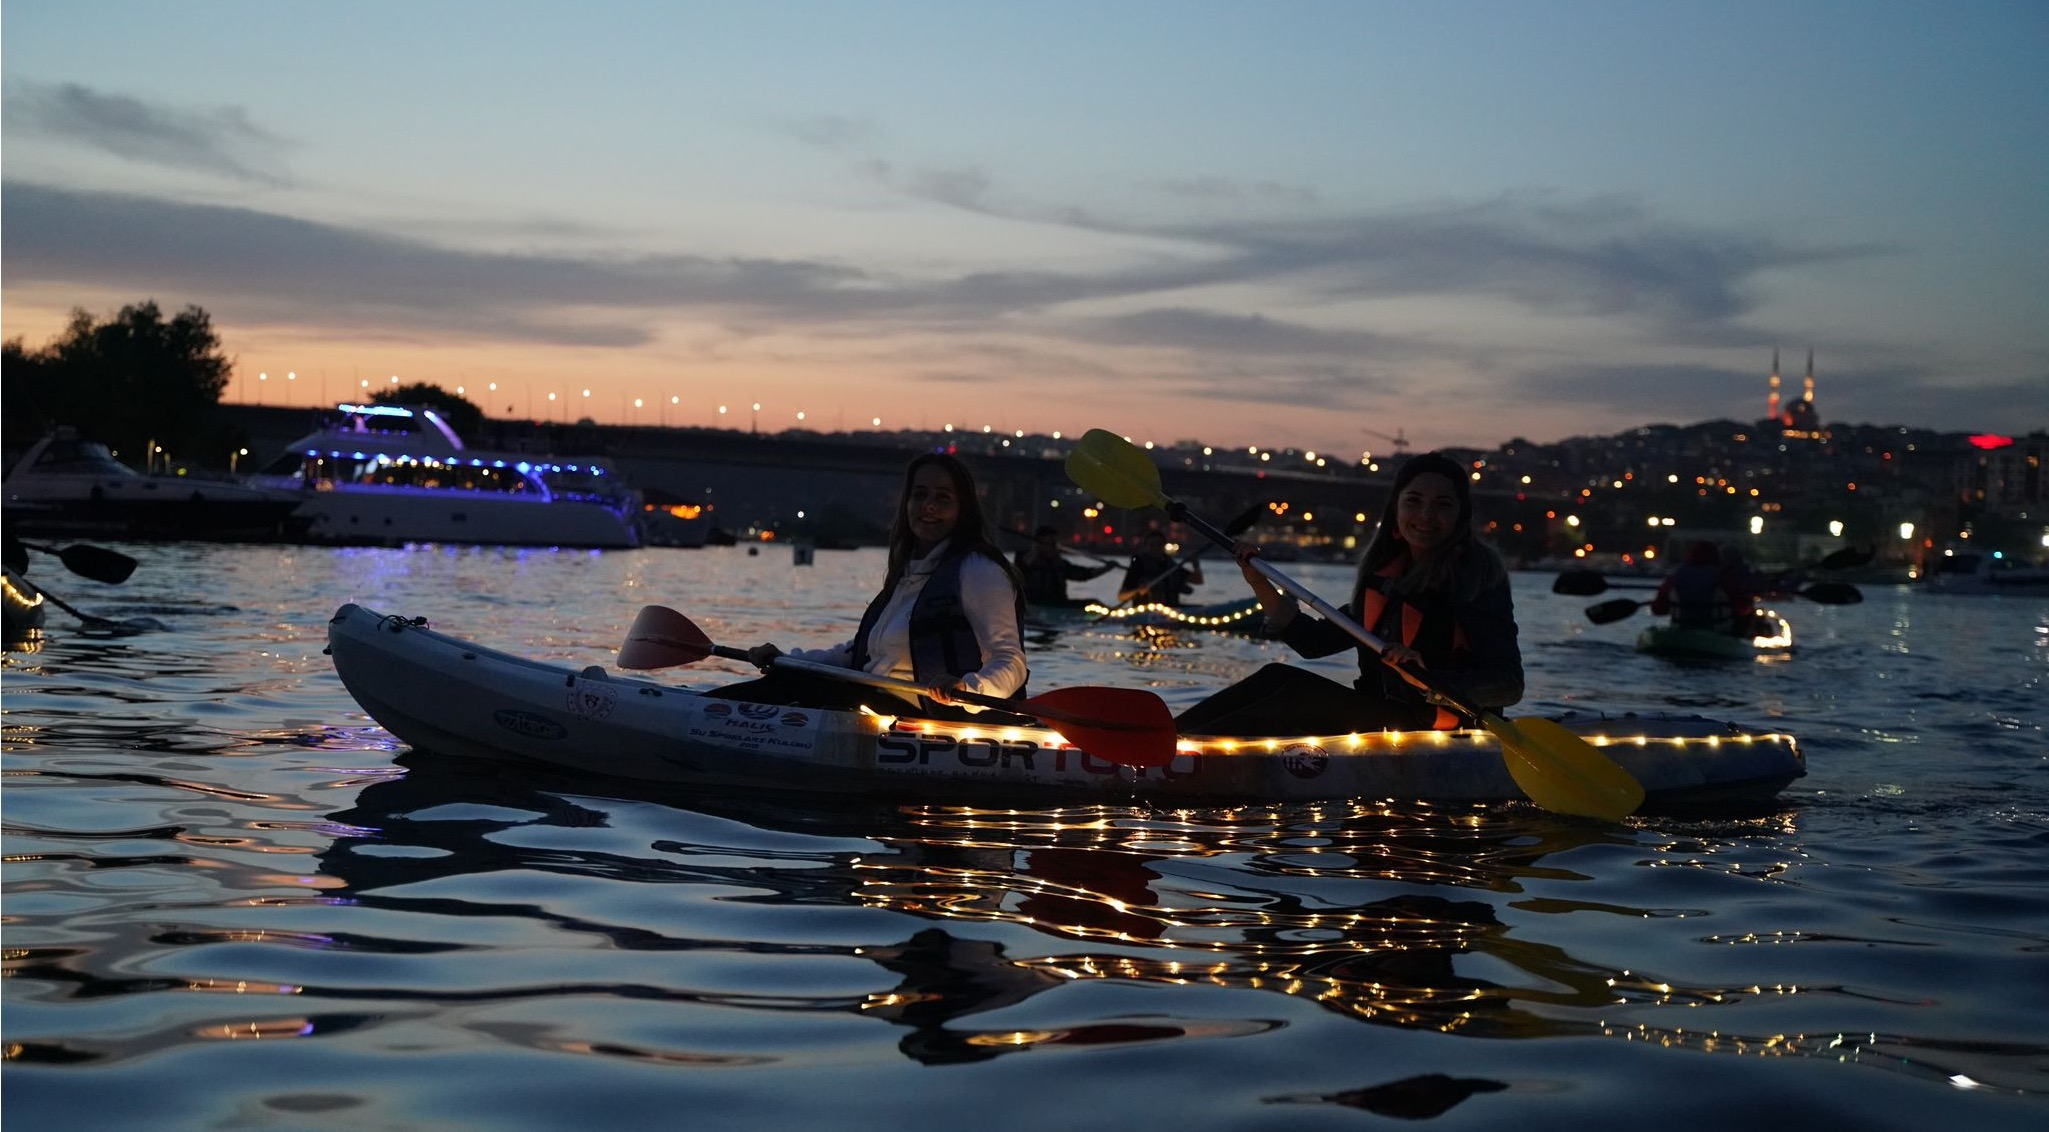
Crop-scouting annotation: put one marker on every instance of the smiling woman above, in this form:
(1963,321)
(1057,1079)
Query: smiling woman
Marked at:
(949,616)
(1428,587)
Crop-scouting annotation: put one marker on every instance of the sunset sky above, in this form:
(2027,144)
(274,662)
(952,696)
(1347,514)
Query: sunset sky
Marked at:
(1311,223)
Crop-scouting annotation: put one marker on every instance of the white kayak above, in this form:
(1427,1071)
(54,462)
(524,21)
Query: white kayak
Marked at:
(440,693)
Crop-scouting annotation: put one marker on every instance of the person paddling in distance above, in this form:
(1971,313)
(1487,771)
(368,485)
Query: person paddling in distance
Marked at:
(1428,587)
(1154,575)
(947,616)
(1046,571)
(1703,593)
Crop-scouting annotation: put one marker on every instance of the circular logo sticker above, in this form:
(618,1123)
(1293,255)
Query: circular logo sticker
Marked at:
(592,700)
(1305,760)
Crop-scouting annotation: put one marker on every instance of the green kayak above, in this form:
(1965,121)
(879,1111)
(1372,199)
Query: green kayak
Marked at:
(1773,638)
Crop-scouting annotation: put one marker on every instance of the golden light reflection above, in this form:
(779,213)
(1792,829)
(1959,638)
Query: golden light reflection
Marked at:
(1128,886)
(257,1029)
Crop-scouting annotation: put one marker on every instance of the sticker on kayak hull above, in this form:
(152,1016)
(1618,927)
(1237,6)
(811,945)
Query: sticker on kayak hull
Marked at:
(527,725)
(765,728)
(589,699)
(1305,760)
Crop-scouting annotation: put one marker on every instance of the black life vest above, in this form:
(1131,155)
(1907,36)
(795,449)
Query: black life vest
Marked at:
(943,644)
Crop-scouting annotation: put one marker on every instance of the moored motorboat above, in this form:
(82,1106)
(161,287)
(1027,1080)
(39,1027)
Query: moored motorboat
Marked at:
(1773,636)
(1979,574)
(388,475)
(441,693)
(68,485)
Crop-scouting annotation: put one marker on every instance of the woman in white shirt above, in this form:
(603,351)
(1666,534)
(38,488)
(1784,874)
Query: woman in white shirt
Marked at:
(947,617)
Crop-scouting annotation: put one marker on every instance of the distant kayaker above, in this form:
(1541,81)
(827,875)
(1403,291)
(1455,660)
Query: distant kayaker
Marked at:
(1046,571)
(1154,576)
(1701,593)
(947,616)
(1745,586)
(1428,587)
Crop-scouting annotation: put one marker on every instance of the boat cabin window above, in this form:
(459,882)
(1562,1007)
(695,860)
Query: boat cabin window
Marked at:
(324,472)
(582,482)
(80,458)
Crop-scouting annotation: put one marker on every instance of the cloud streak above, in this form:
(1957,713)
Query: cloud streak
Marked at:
(221,142)
(1547,260)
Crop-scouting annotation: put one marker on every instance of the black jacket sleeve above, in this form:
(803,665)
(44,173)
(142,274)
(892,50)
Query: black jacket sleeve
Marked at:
(1489,674)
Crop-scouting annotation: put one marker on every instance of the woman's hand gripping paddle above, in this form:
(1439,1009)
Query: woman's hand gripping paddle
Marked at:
(1123,725)
(1556,768)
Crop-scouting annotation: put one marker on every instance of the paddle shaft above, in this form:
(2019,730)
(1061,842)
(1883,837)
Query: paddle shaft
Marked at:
(1174,568)
(1232,529)
(1065,550)
(915,690)
(85,619)
(1323,609)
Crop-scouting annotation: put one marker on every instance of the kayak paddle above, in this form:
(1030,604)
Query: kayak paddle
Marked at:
(1821,593)
(1587,583)
(1556,768)
(1064,550)
(1616,610)
(93,624)
(94,562)
(1237,526)
(1123,725)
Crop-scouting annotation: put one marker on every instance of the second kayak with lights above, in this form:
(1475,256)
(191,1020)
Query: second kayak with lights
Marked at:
(1240,616)
(1773,637)
(440,693)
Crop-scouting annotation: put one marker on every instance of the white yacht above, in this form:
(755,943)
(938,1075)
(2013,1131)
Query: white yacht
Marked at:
(65,484)
(388,475)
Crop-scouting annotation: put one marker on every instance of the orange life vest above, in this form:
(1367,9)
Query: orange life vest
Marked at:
(1373,603)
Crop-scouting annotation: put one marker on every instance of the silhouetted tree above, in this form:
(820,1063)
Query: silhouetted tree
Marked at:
(461,414)
(133,378)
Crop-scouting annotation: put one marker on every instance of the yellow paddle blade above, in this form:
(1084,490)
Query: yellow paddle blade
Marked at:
(1116,470)
(1562,772)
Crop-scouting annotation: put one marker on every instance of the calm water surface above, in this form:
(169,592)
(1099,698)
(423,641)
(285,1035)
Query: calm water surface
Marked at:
(232,901)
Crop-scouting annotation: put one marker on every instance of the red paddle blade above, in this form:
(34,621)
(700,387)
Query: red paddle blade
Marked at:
(1123,725)
(663,638)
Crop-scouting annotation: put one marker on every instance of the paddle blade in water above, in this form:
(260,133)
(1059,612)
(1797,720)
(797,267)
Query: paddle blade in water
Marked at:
(1615,610)
(1116,470)
(1562,772)
(1579,583)
(1833,593)
(97,563)
(1123,725)
(1847,558)
(663,638)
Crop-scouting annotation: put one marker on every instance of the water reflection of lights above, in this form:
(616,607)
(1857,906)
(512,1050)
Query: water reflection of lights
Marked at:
(258,1029)
(1088,874)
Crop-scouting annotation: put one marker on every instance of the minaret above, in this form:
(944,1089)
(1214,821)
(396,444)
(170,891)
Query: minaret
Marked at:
(1771,404)
(1809,395)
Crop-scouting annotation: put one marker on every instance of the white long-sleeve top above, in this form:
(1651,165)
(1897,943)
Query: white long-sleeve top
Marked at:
(990,604)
